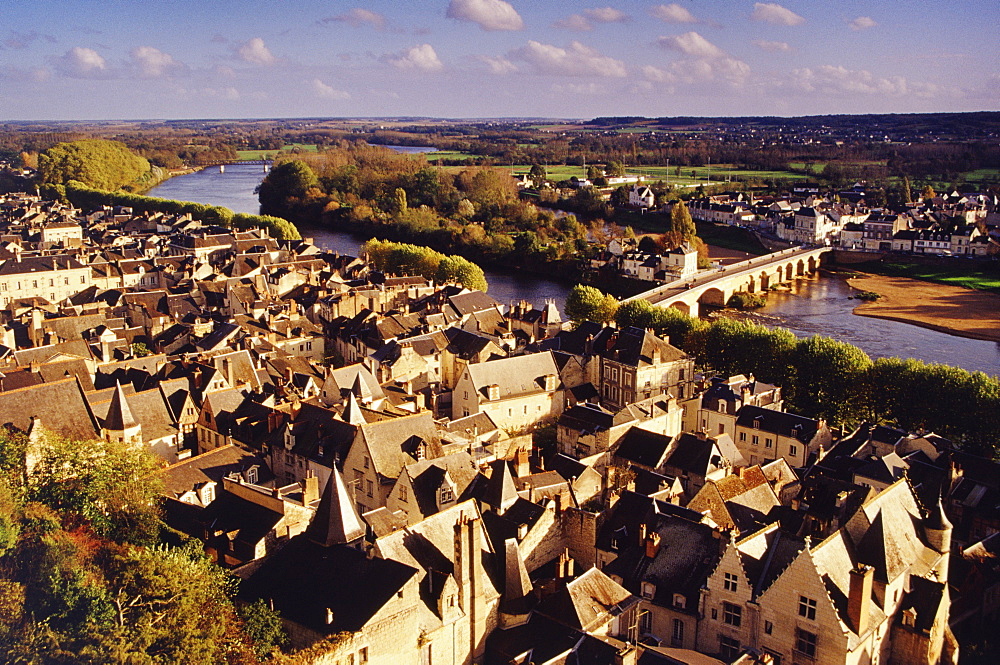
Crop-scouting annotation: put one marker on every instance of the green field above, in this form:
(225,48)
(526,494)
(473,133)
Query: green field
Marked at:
(254,155)
(448,154)
(957,272)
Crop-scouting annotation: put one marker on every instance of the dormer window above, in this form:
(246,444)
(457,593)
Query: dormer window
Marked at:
(648,589)
(680,602)
(756,423)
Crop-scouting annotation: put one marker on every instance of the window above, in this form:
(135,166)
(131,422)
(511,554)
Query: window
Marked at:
(366,462)
(645,622)
(732,614)
(775,656)
(83,279)
(793,451)
(768,627)
(807,608)
(680,602)
(402,493)
(730,582)
(755,440)
(743,436)
(369,487)
(805,642)
(756,423)
(677,633)
(768,442)
(722,428)
(680,375)
(648,589)
(728,647)
(722,406)
(447,495)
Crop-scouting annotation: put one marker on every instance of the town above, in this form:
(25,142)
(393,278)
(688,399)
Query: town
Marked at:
(406,471)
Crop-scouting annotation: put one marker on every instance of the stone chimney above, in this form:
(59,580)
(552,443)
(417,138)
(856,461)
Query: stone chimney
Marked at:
(859,597)
(310,489)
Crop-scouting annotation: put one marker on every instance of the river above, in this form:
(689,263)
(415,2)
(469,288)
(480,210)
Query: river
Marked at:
(817,305)
(234,189)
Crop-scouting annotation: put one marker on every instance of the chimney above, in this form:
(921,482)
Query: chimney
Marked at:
(627,656)
(329,616)
(652,545)
(310,489)
(859,597)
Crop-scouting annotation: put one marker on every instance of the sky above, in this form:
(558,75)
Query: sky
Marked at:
(138,59)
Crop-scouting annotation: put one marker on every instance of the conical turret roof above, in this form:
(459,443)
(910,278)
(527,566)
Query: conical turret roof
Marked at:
(336,521)
(119,416)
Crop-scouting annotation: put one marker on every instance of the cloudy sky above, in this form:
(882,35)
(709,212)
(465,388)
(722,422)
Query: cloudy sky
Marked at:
(111,59)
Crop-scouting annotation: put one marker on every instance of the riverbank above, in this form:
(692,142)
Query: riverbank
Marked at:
(950,309)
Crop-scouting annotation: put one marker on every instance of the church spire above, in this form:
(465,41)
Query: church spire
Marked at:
(336,521)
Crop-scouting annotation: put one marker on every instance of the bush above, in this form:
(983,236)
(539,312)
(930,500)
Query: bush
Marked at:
(743,300)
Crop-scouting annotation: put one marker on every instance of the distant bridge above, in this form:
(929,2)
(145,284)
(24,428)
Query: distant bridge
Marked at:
(754,275)
(254,162)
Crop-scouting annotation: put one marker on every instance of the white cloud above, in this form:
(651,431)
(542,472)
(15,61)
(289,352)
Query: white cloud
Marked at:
(255,52)
(576,22)
(357,17)
(574,60)
(673,13)
(862,23)
(421,58)
(324,91)
(772,12)
(657,75)
(82,62)
(37,75)
(579,89)
(838,80)
(772,47)
(487,14)
(154,63)
(691,43)
(605,15)
(499,65)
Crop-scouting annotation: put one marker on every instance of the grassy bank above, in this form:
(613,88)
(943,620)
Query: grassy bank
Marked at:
(980,275)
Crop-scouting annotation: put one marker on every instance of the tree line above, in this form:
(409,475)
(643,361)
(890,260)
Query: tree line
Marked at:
(822,377)
(89,198)
(404,259)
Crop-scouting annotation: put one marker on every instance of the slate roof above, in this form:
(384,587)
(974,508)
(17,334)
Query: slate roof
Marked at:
(304,579)
(635,347)
(212,466)
(778,422)
(643,447)
(520,375)
(60,406)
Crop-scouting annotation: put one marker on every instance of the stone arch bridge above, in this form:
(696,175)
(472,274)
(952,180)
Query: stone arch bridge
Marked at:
(755,275)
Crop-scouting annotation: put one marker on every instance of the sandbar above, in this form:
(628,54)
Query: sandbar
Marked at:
(951,309)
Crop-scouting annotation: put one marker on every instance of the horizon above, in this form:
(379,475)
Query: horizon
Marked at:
(74,61)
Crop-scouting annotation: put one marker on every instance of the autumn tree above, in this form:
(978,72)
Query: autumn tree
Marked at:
(681,221)
(97,163)
(587,303)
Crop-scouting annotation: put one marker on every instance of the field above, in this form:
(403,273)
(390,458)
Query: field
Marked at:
(955,272)
(449,154)
(254,155)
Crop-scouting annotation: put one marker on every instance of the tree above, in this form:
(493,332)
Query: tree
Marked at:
(594,172)
(463,271)
(928,193)
(399,201)
(98,163)
(681,221)
(907,192)
(831,380)
(586,303)
(263,626)
(537,175)
(285,182)
(619,197)
(614,169)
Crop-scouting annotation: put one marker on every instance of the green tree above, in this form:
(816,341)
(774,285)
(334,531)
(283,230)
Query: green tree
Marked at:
(263,626)
(907,192)
(399,206)
(615,169)
(463,271)
(586,303)
(537,175)
(619,197)
(831,380)
(681,221)
(98,163)
(285,182)
(594,172)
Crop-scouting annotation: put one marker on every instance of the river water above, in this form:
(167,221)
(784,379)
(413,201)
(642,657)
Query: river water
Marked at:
(816,305)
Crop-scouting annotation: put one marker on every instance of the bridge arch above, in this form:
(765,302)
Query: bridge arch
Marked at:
(789,272)
(713,297)
(800,268)
(812,264)
(682,306)
(765,281)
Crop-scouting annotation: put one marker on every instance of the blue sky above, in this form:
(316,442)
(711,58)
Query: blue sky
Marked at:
(113,59)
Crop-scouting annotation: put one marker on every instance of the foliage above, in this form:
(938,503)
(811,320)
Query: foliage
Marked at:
(405,259)
(97,163)
(681,221)
(587,303)
(285,182)
(263,625)
(89,198)
(867,296)
(614,169)
(666,322)
(140,350)
(831,379)
(744,300)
